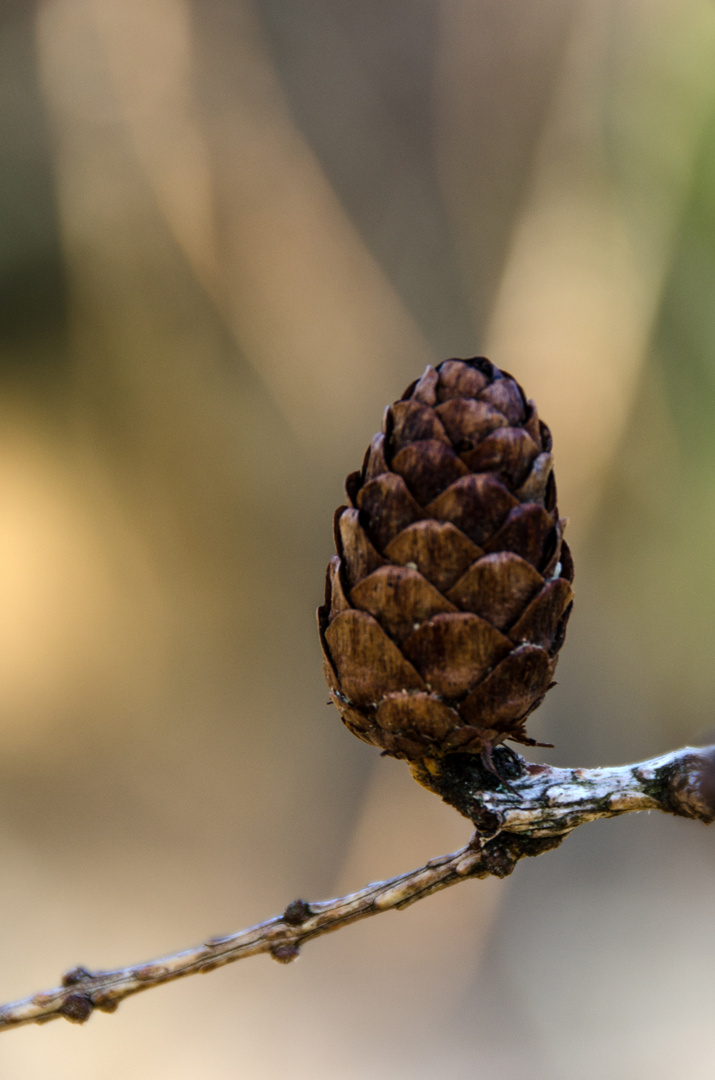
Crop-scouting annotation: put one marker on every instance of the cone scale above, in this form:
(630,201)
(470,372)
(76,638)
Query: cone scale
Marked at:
(447,602)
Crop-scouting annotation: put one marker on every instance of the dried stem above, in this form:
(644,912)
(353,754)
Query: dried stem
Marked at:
(529,811)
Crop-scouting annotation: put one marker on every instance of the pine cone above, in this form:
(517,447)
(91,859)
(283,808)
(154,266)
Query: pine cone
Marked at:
(447,602)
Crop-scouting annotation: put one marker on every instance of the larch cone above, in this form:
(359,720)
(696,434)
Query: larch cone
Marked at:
(447,602)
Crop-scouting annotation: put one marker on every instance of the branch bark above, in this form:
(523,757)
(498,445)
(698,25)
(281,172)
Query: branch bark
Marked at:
(519,810)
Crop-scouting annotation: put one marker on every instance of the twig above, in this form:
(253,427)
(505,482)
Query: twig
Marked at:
(530,812)
(540,801)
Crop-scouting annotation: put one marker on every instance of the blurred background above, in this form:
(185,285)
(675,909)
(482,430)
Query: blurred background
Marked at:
(231,231)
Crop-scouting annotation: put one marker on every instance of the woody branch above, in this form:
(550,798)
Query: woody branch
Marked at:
(532,811)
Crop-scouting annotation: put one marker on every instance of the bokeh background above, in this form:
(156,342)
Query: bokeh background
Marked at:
(231,231)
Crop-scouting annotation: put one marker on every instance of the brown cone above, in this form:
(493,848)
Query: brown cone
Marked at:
(447,602)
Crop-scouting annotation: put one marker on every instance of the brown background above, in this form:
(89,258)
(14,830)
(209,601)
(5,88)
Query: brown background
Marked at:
(230,233)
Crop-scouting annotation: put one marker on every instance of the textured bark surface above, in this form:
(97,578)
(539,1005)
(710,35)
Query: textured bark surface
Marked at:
(540,801)
(528,816)
(447,602)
